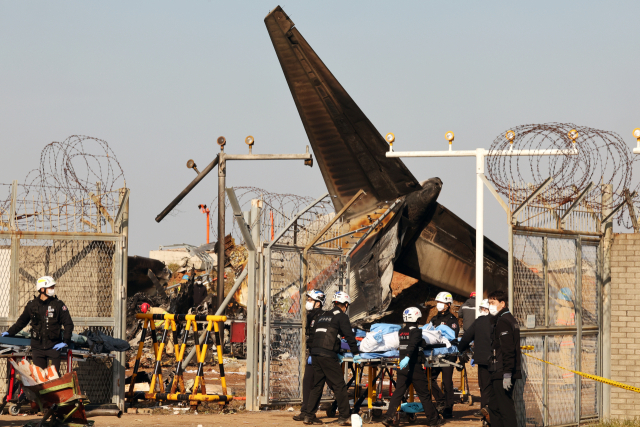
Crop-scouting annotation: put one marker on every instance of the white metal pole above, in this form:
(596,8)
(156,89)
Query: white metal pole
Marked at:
(479,228)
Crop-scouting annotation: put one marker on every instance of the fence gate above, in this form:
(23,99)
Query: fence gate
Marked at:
(282,364)
(556,283)
(63,238)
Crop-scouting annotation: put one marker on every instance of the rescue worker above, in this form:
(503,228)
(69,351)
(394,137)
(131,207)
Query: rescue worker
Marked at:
(329,326)
(314,304)
(480,334)
(47,315)
(412,370)
(504,363)
(468,311)
(199,291)
(444,398)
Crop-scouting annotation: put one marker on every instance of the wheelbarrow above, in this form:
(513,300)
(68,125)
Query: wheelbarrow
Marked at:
(61,401)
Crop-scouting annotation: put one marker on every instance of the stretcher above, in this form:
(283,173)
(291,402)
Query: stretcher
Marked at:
(15,347)
(377,369)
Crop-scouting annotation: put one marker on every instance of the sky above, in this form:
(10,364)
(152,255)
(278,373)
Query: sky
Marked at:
(161,80)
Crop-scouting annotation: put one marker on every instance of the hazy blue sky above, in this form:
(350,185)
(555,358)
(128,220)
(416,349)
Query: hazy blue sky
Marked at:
(160,81)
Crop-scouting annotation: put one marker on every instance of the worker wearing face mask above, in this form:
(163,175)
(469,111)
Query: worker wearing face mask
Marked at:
(314,304)
(47,315)
(444,401)
(480,334)
(505,362)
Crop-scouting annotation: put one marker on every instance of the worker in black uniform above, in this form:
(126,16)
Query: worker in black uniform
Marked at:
(444,401)
(325,358)
(480,334)
(315,301)
(505,363)
(47,315)
(412,370)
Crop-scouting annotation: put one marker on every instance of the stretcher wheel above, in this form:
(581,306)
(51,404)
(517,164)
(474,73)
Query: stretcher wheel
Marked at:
(377,413)
(464,398)
(366,417)
(412,418)
(14,410)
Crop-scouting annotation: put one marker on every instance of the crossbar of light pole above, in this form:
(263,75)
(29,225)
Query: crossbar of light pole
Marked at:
(480,154)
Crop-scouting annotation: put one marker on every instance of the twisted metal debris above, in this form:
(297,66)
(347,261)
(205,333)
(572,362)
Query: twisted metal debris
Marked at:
(603,158)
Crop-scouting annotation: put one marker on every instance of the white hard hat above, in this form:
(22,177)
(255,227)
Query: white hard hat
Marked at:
(411,314)
(45,282)
(444,297)
(341,297)
(317,295)
(485,304)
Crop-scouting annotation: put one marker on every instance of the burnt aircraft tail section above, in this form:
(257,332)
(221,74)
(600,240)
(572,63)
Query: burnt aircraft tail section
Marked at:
(349,150)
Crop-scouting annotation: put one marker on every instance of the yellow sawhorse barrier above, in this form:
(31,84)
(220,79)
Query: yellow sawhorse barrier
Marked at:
(198,392)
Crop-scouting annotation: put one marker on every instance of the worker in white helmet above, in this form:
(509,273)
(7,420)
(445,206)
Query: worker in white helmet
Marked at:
(480,334)
(326,361)
(444,401)
(412,370)
(47,315)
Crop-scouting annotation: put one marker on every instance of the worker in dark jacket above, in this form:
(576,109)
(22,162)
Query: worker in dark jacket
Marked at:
(468,311)
(444,401)
(315,301)
(325,358)
(412,370)
(47,315)
(480,334)
(505,361)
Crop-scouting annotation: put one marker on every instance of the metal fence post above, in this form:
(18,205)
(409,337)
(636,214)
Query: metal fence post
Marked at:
(607,242)
(120,302)
(14,268)
(578,321)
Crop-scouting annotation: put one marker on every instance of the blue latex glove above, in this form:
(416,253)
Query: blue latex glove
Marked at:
(404,362)
(5,334)
(340,357)
(59,346)
(472,361)
(357,358)
(309,361)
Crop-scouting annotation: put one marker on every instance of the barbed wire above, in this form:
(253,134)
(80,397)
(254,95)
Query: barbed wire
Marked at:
(602,158)
(60,186)
(282,205)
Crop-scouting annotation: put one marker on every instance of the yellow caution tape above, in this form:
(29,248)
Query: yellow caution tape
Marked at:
(527,347)
(589,376)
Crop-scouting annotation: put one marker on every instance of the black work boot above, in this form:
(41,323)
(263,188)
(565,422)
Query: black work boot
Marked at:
(314,421)
(388,421)
(485,414)
(447,413)
(344,421)
(299,417)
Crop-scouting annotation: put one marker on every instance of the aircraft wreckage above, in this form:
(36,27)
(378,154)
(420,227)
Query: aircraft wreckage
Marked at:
(420,238)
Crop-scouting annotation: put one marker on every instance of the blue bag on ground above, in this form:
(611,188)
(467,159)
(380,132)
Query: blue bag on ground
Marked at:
(412,407)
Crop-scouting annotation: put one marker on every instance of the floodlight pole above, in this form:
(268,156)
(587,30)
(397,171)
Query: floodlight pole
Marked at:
(480,154)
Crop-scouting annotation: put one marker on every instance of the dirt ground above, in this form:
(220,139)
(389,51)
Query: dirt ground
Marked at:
(236,416)
(462,414)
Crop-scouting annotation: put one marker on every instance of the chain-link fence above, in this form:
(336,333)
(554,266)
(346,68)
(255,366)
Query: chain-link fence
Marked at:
(552,277)
(285,323)
(87,268)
